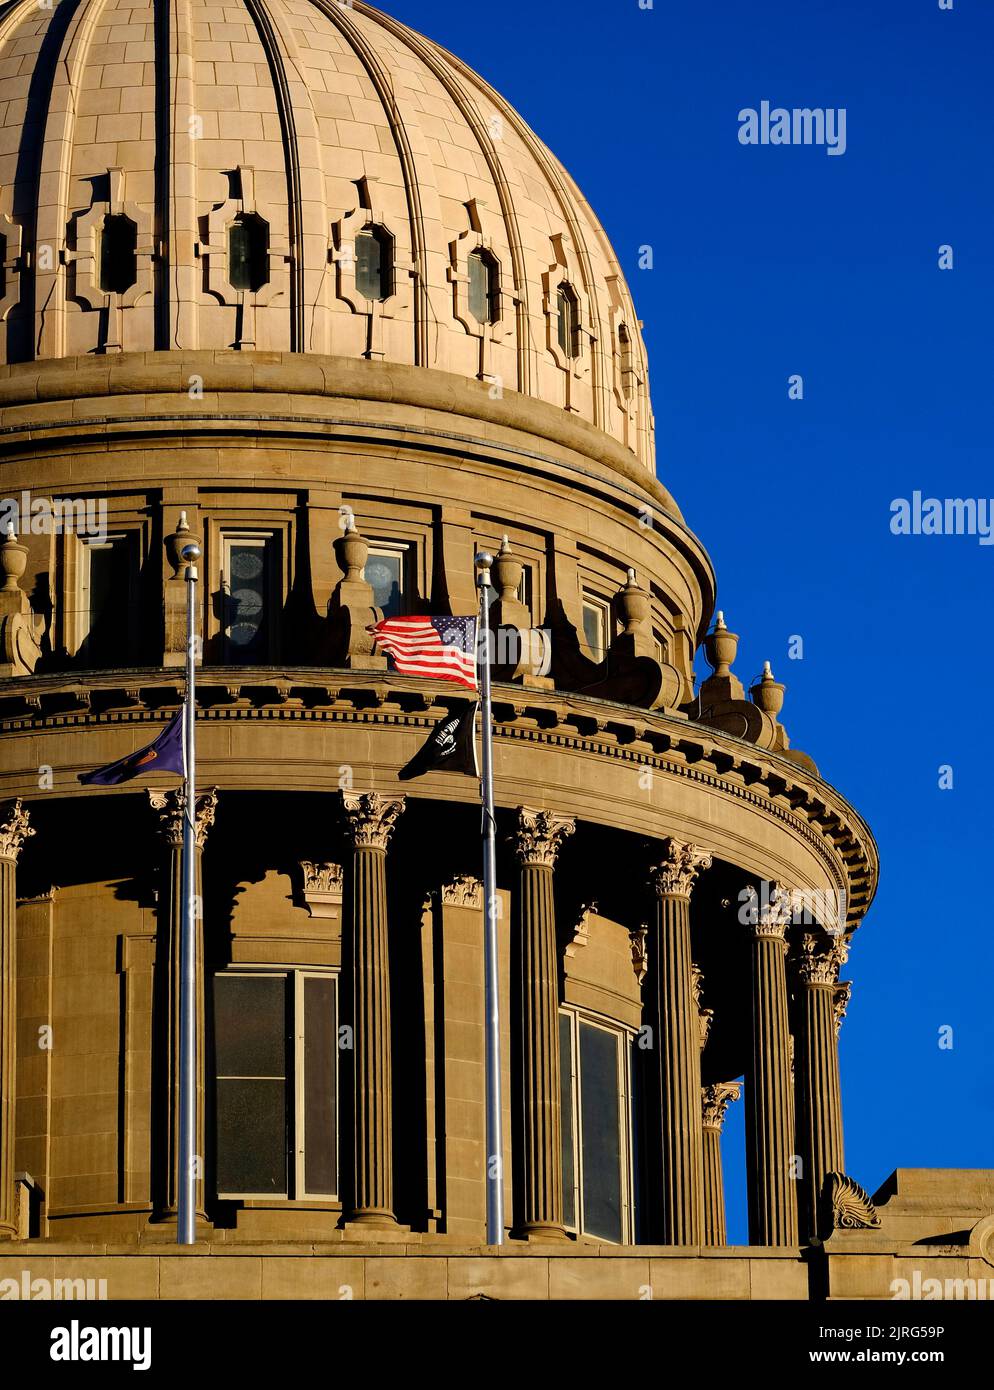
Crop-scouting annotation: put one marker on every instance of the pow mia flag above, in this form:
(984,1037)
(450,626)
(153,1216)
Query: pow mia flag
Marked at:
(450,747)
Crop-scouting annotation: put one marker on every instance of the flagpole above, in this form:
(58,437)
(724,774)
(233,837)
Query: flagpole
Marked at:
(495,1142)
(186,1151)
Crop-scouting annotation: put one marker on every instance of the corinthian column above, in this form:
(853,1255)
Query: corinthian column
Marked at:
(539,837)
(14,830)
(370,820)
(170,807)
(679,1045)
(714,1103)
(817,962)
(770,1113)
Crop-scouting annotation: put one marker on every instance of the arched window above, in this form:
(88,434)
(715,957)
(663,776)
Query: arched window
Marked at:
(118,257)
(374,263)
(568,315)
(3,266)
(484,286)
(248,252)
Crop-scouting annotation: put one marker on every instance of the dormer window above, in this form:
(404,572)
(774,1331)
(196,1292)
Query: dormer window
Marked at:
(374,263)
(118,254)
(248,253)
(625,352)
(568,321)
(484,286)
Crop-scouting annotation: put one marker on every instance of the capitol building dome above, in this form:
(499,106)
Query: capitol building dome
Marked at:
(288,176)
(286,279)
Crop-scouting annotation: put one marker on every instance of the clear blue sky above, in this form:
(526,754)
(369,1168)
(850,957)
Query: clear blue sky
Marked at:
(771,261)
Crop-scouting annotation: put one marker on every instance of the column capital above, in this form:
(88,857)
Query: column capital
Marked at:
(770,911)
(170,806)
(715,1100)
(676,872)
(371,817)
(464,890)
(14,829)
(539,836)
(820,956)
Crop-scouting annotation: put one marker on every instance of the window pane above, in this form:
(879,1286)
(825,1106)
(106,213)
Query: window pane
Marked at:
(248,253)
(373,263)
(594,624)
(600,1105)
(385,575)
(566,1083)
(110,583)
(251,1137)
(118,254)
(245,616)
(250,1035)
(320,1085)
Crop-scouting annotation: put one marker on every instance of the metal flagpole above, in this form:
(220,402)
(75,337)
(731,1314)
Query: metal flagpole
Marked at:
(186,1157)
(495,1140)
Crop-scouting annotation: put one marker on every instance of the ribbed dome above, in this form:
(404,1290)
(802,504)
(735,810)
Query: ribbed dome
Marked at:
(261,162)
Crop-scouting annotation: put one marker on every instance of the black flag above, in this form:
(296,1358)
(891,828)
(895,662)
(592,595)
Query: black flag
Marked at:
(450,747)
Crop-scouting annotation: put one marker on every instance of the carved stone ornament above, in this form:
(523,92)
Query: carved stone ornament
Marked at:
(540,836)
(14,829)
(323,887)
(704,1016)
(820,957)
(676,872)
(171,809)
(774,910)
(371,817)
(463,891)
(843,993)
(848,1203)
(715,1100)
(640,951)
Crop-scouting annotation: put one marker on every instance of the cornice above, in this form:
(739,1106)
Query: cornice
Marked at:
(804,804)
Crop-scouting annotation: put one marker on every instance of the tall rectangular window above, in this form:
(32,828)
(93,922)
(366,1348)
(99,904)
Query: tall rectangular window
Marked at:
(388,575)
(250,585)
(596,1128)
(276,1075)
(596,625)
(108,581)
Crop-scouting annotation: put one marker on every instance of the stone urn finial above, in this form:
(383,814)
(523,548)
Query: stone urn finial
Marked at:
(13,560)
(720,647)
(633,604)
(353,551)
(181,537)
(767,693)
(506,572)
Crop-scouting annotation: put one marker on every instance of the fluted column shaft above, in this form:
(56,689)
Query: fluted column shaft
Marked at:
(770,1113)
(14,829)
(170,808)
(371,819)
(679,1047)
(818,1086)
(714,1100)
(540,834)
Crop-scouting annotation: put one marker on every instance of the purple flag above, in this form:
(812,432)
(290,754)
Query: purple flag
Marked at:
(164,755)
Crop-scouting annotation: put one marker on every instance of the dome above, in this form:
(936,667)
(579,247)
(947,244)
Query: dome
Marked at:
(297,176)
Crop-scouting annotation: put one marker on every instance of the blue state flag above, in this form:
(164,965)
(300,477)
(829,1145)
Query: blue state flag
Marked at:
(164,755)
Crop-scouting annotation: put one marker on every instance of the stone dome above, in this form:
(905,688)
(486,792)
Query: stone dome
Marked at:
(297,176)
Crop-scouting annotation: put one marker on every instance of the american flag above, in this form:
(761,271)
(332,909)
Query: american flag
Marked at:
(444,648)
